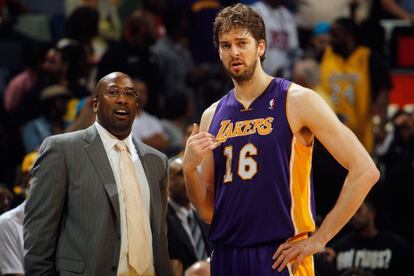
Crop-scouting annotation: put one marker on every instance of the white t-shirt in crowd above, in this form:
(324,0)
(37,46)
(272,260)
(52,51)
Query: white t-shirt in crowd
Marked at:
(281,36)
(11,241)
(145,125)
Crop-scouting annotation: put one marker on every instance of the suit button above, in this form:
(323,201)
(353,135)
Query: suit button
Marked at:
(114,268)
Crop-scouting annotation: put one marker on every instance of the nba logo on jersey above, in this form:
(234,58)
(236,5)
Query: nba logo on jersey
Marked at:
(271,103)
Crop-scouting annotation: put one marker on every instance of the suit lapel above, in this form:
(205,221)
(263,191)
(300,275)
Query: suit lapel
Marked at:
(181,233)
(99,159)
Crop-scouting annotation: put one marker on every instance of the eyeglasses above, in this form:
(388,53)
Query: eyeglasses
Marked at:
(115,92)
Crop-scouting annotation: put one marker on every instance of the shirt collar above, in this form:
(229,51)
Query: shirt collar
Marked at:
(180,210)
(109,140)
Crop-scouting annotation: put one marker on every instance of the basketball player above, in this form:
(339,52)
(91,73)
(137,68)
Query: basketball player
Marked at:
(254,147)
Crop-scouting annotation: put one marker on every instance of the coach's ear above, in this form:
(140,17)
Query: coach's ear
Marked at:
(95,104)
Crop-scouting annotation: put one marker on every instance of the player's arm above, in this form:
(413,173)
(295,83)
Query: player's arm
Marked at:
(307,111)
(199,180)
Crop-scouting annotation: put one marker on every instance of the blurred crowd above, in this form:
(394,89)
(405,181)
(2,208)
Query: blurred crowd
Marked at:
(52,53)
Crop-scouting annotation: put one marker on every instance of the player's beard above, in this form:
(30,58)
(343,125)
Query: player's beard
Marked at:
(243,76)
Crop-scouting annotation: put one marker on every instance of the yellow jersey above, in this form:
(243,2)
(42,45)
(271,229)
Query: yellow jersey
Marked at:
(347,83)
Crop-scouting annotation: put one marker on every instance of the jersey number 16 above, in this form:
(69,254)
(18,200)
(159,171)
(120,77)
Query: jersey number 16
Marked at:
(247,166)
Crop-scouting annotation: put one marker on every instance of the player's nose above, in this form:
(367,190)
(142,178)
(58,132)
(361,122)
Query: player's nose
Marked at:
(234,51)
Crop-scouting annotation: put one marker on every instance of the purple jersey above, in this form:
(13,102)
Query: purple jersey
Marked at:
(263,189)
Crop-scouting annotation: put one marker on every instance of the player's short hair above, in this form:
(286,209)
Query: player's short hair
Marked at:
(239,16)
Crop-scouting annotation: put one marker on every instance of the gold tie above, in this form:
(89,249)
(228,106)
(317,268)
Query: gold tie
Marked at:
(139,249)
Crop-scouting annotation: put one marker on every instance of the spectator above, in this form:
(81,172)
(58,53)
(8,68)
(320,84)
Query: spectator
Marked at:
(20,189)
(148,128)
(172,52)
(21,84)
(54,105)
(109,22)
(55,67)
(11,242)
(178,111)
(186,134)
(65,67)
(368,248)
(52,70)
(11,229)
(84,116)
(312,12)
(282,37)
(396,157)
(133,55)
(187,234)
(356,80)
(81,28)
(77,60)
(318,41)
(306,72)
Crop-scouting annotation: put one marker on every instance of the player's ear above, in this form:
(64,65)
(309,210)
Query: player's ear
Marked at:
(261,47)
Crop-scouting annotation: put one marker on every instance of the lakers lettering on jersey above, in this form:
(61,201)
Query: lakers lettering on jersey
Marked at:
(261,126)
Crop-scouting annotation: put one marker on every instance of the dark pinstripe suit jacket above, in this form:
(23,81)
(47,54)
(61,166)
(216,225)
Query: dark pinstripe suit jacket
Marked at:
(71,224)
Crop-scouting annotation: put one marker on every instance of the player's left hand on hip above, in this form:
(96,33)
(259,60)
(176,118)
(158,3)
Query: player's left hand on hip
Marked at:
(294,252)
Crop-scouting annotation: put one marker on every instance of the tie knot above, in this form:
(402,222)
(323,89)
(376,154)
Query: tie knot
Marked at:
(120,146)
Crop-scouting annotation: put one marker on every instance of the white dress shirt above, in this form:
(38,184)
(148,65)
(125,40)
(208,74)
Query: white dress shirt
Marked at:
(109,141)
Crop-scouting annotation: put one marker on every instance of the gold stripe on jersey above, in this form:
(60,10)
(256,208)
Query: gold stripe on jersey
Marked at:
(300,188)
(307,266)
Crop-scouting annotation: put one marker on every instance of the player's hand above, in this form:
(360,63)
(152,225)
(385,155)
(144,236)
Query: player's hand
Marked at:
(198,145)
(294,252)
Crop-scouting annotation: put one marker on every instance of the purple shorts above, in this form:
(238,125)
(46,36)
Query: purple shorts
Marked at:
(252,261)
